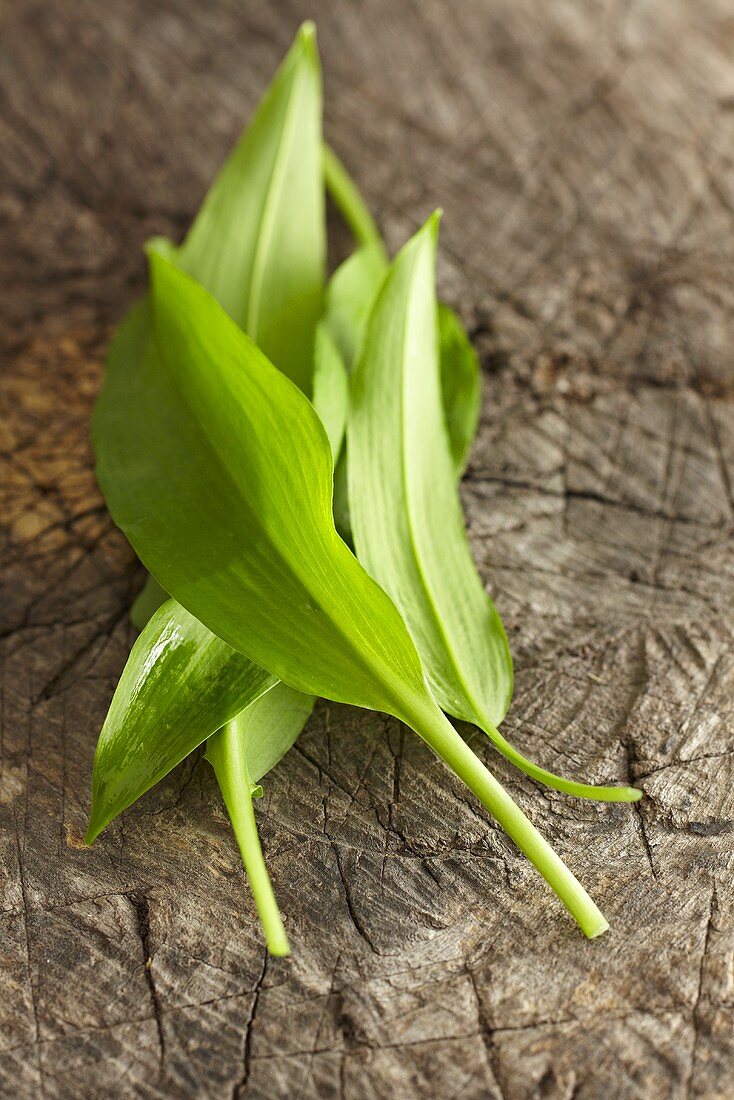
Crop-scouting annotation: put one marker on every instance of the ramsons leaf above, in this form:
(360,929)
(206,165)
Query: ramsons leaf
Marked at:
(406,514)
(258,244)
(330,388)
(350,294)
(180,684)
(219,472)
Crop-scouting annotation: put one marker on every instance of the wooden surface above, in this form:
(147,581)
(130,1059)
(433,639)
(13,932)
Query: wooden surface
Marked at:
(583,155)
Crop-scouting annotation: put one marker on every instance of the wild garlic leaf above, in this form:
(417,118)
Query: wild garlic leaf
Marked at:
(461,385)
(258,243)
(330,388)
(223,443)
(241,753)
(180,684)
(350,294)
(349,300)
(406,514)
(219,472)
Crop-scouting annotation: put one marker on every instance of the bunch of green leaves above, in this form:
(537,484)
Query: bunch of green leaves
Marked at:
(228,481)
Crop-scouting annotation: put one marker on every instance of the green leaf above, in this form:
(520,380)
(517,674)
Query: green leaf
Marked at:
(241,753)
(221,442)
(258,244)
(219,472)
(406,513)
(350,294)
(349,299)
(461,385)
(330,388)
(180,684)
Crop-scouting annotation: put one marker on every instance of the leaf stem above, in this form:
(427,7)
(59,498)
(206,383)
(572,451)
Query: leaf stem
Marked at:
(223,753)
(436,730)
(550,779)
(349,202)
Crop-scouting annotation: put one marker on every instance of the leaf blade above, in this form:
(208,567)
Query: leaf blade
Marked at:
(228,458)
(401,481)
(180,684)
(330,388)
(263,447)
(261,257)
(402,490)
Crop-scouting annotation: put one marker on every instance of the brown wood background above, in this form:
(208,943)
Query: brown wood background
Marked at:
(583,154)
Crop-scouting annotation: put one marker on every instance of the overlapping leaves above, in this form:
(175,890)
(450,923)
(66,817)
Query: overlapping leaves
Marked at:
(202,444)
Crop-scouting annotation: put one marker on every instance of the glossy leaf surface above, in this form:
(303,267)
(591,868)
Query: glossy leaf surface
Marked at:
(206,446)
(406,515)
(180,684)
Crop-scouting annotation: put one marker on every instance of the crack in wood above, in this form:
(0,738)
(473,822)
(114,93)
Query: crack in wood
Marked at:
(141,908)
(240,1086)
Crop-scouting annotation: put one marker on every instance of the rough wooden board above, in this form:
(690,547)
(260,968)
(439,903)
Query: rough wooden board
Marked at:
(582,153)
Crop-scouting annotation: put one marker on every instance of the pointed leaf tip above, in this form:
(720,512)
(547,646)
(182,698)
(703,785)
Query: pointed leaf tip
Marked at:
(433,222)
(160,246)
(429,229)
(306,40)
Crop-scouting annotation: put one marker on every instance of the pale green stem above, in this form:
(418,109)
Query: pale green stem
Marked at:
(350,203)
(550,779)
(224,756)
(436,730)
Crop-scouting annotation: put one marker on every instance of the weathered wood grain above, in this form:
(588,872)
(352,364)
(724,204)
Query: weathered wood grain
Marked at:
(582,153)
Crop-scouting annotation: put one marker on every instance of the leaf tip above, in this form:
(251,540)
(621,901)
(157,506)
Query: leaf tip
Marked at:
(161,246)
(428,233)
(98,821)
(306,40)
(434,221)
